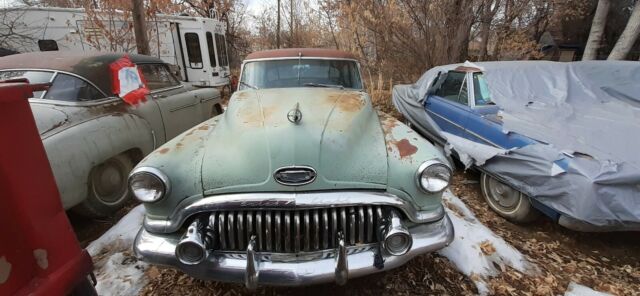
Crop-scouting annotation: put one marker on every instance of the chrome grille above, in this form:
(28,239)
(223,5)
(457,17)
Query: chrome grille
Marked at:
(292,231)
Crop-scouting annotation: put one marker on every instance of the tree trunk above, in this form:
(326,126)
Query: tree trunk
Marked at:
(628,37)
(597,30)
(278,27)
(291,44)
(140,27)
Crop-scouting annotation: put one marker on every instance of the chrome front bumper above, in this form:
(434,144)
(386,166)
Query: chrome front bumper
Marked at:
(254,268)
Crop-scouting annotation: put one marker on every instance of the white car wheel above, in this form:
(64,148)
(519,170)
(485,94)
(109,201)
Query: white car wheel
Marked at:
(507,201)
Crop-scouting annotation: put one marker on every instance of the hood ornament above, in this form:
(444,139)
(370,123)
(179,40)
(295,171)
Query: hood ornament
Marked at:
(294,116)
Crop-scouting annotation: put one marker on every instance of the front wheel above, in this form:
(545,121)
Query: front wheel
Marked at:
(108,187)
(507,201)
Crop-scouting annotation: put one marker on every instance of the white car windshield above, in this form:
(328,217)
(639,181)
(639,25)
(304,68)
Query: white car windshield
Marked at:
(301,73)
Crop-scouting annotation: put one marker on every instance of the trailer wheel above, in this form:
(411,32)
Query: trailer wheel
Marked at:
(108,187)
(507,201)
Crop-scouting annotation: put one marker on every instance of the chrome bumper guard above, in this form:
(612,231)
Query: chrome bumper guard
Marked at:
(253,269)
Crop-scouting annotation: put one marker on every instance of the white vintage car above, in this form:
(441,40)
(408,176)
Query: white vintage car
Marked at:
(92,137)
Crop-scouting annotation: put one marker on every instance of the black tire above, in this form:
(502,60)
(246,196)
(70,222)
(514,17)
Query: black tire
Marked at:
(108,188)
(507,201)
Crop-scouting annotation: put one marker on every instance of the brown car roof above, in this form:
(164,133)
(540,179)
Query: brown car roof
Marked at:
(92,66)
(305,52)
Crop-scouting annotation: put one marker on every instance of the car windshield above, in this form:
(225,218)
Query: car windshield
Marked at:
(481,90)
(34,77)
(301,73)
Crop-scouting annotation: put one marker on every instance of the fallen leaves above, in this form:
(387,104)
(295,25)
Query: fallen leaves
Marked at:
(487,248)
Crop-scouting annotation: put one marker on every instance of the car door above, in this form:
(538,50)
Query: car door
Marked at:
(448,105)
(484,125)
(179,107)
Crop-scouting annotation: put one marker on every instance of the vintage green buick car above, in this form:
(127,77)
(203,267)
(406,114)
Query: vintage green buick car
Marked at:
(299,182)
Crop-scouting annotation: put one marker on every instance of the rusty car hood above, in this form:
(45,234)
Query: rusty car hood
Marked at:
(339,136)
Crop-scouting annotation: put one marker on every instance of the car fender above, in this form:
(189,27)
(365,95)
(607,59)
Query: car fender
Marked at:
(209,98)
(74,151)
(406,151)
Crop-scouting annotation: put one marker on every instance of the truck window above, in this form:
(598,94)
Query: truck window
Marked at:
(221,46)
(193,50)
(71,89)
(158,76)
(454,88)
(211,48)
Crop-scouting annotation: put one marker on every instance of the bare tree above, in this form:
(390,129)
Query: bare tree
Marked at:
(14,33)
(140,27)
(597,30)
(489,9)
(278,27)
(628,37)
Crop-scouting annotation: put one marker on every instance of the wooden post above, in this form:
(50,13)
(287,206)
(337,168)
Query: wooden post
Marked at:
(140,27)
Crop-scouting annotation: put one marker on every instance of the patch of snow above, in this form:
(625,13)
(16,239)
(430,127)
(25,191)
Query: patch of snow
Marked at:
(580,290)
(476,250)
(123,233)
(117,270)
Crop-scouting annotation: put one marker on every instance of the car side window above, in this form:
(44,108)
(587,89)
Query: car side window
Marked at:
(454,88)
(72,89)
(481,90)
(158,76)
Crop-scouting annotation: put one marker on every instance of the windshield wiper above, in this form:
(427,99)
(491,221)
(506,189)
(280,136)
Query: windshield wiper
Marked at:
(247,85)
(324,85)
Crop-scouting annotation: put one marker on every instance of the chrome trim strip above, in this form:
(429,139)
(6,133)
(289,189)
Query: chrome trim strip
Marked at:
(291,270)
(184,106)
(466,130)
(168,88)
(293,200)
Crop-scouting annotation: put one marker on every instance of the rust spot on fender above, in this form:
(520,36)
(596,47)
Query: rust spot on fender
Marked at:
(405,148)
(163,150)
(388,124)
(204,127)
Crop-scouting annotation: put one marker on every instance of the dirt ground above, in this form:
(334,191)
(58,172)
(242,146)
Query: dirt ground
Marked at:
(607,262)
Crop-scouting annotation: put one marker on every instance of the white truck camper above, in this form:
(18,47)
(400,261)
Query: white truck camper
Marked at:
(196,45)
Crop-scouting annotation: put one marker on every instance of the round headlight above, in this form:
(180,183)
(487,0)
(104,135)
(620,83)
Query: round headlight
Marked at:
(434,176)
(148,184)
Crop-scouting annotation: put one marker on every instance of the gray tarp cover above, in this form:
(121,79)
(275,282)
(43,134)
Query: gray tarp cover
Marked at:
(588,112)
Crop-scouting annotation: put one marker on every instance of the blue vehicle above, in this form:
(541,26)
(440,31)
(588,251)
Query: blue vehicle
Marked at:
(551,138)
(460,104)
